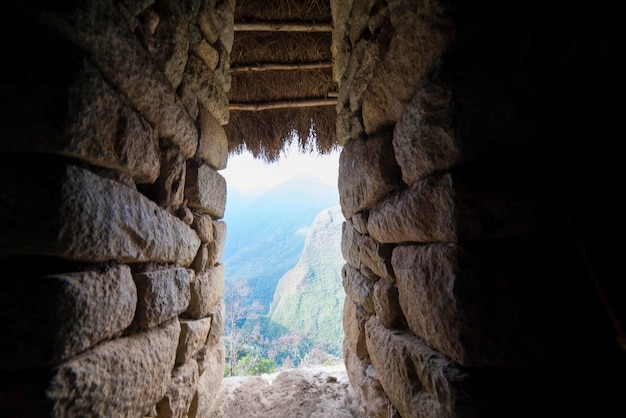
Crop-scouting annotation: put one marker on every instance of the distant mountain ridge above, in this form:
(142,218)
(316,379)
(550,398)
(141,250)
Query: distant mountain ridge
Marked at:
(266,235)
(309,298)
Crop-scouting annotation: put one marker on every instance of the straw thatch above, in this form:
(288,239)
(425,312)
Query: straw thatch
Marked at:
(282,80)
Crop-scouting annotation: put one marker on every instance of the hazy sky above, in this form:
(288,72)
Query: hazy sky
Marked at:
(252,176)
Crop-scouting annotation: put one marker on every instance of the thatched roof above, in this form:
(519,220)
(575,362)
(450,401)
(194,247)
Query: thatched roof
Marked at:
(282,80)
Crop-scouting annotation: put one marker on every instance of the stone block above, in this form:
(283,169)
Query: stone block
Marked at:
(123,377)
(213,359)
(207,54)
(470,204)
(472,302)
(423,139)
(169,189)
(203,225)
(199,264)
(48,319)
(218,316)
(193,336)
(205,189)
(354,318)
(180,391)
(427,29)
(361,250)
(63,115)
(216,246)
(425,212)
(387,304)
(367,172)
(207,89)
(189,99)
(213,144)
(358,287)
(161,295)
(171,40)
(367,388)
(419,381)
(74,214)
(206,291)
(99,29)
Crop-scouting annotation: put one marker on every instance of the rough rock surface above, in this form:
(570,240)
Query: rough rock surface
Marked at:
(318,392)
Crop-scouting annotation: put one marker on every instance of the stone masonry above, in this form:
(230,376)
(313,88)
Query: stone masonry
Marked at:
(480,180)
(464,128)
(112,120)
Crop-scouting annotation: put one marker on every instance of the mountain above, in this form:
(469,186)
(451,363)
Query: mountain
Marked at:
(265,236)
(309,298)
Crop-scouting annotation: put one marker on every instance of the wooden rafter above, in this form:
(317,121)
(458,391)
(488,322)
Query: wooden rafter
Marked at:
(256,107)
(281,66)
(282,27)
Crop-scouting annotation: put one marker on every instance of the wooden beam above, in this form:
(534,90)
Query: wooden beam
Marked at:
(280,67)
(282,27)
(256,107)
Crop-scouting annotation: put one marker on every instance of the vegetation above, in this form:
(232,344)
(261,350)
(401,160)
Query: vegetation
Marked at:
(303,327)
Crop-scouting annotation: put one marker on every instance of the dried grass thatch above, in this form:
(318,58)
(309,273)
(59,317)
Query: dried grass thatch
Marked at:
(265,133)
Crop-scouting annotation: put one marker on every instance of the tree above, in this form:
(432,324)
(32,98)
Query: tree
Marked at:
(239,308)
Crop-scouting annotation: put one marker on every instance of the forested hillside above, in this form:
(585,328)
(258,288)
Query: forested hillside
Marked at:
(266,235)
(309,298)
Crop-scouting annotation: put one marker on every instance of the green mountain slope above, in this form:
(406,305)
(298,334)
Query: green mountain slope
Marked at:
(266,235)
(309,298)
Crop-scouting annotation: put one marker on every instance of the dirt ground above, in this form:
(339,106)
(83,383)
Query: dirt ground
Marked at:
(320,392)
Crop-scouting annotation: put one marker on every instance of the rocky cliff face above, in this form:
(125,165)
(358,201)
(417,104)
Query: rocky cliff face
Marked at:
(309,298)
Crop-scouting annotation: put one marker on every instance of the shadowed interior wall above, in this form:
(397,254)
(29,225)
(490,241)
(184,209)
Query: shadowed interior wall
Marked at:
(479,180)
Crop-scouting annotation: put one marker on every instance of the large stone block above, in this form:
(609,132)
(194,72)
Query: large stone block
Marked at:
(211,359)
(206,291)
(180,391)
(203,225)
(423,139)
(161,295)
(354,318)
(470,204)
(367,172)
(123,377)
(207,88)
(387,304)
(205,189)
(361,250)
(63,115)
(72,213)
(171,40)
(218,316)
(49,319)
(423,213)
(358,287)
(100,30)
(419,381)
(479,304)
(366,384)
(216,246)
(426,28)
(213,144)
(193,335)
(169,189)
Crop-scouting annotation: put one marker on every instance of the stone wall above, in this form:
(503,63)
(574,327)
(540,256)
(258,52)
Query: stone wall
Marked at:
(478,181)
(111,205)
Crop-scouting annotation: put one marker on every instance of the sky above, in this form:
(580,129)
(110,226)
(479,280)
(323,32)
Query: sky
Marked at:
(254,177)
